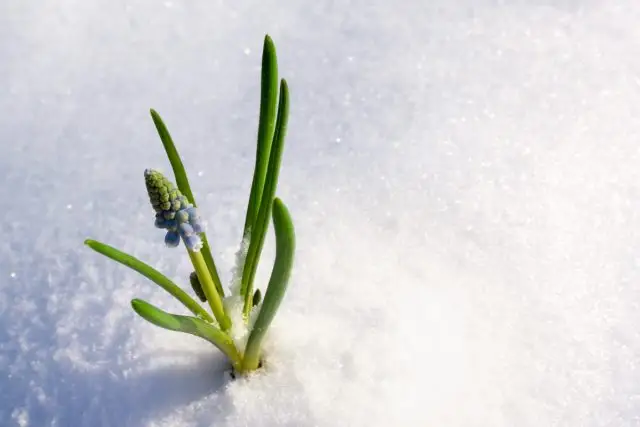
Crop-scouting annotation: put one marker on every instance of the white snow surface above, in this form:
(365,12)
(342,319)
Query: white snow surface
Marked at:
(463,176)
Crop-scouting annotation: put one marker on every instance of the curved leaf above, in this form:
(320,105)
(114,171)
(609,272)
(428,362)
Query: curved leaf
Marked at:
(152,274)
(188,325)
(285,247)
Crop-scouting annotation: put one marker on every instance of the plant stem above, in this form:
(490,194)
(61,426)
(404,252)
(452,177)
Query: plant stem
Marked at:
(209,289)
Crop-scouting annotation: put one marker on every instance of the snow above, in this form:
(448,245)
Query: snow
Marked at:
(463,177)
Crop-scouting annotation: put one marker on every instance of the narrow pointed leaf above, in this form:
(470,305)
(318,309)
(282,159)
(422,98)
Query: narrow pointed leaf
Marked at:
(174,158)
(188,325)
(259,231)
(285,247)
(182,181)
(266,127)
(151,274)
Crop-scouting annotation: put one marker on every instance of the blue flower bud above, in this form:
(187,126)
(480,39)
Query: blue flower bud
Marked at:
(192,212)
(197,227)
(172,239)
(160,222)
(194,220)
(185,230)
(193,242)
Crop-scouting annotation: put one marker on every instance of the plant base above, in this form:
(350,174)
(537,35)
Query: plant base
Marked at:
(234,375)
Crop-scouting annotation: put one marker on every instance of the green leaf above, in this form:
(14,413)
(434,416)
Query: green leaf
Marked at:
(285,247)
(188,325)
(152,274)
(266,127)
(260,229)
(174,158)
(182,181)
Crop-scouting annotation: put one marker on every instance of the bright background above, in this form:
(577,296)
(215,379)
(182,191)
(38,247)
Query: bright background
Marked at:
(463,177)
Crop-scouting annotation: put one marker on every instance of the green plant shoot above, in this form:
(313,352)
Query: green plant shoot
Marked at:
(176,212)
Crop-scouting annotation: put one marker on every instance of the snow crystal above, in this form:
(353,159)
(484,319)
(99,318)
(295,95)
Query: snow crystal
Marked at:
(21,417)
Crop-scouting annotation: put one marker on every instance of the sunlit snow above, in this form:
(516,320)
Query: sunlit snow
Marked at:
(464,178)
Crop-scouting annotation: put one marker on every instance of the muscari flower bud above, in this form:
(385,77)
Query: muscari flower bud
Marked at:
(174,213)
(172,239)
